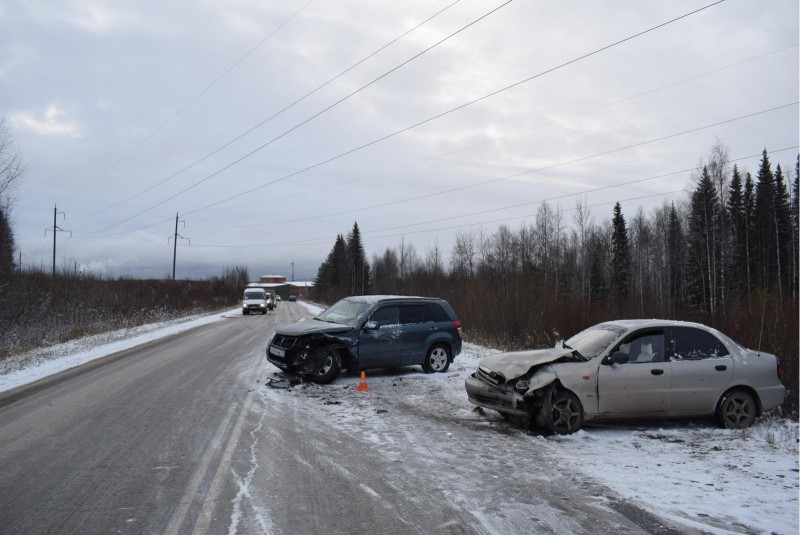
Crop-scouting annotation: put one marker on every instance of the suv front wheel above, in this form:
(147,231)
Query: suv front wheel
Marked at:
(330,364)
(437,359)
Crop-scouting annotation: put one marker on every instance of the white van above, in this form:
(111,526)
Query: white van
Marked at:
(255,300)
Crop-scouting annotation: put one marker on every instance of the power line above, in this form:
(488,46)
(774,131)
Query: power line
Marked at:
(512,134)
(407,128)
(311,118)
(550,199)
(181,110)
(523,173)
(430,119)
(490,181)
(277,113)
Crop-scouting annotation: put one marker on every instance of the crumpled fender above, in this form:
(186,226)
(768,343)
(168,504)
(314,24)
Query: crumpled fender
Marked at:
(314,357)
(540,379)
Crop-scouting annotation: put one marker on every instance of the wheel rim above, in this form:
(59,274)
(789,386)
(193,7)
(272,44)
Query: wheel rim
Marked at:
(438,359)
(738,411)
(566,414)
(326,365)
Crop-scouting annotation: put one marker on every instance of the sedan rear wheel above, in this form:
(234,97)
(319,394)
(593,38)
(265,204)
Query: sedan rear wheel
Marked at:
(565,413)
(736,410)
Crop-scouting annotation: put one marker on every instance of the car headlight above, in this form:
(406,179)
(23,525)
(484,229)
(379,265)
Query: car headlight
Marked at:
(523,384)
(262,305)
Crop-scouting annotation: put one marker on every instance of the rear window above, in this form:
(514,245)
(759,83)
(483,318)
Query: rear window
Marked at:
(439,313)
(415,314)
(688,343)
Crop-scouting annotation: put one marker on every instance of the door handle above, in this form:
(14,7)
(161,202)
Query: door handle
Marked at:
(657,371)
(721,368)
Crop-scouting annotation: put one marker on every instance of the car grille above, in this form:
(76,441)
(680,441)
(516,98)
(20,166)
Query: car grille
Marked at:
(285,342)
(488,376)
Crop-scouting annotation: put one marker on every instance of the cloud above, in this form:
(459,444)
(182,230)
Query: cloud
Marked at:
(52,123)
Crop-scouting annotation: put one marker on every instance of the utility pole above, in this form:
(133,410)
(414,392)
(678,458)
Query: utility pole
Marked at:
(56,229)
(292,271)
(175,243)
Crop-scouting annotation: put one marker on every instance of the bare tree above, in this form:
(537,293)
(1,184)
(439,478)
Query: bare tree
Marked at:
(11,167)
(583,222)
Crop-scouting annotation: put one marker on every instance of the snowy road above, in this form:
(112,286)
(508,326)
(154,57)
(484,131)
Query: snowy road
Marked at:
(189,434)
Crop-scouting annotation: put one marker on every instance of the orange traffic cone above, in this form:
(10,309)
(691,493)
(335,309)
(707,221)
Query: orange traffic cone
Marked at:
(362,386)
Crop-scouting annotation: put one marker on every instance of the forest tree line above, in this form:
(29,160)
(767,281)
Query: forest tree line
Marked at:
(725,255)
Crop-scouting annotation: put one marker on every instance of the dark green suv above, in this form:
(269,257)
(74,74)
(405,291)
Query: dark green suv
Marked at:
(368,332)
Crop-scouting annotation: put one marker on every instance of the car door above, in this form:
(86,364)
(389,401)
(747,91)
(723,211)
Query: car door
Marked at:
(418,326)
(702,368)
(641,386)
(381,347)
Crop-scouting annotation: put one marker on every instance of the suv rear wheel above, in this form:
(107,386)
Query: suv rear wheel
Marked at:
(437,359)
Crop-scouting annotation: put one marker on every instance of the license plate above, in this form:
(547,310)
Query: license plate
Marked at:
(277,352)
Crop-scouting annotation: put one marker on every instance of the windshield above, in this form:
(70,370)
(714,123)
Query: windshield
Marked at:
(594,340)
(254,295)
(346,312)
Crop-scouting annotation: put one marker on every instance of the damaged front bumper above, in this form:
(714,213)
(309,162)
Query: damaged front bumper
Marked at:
(489,393)
(287,352)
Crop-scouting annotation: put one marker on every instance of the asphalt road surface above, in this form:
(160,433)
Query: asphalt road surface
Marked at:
(180,436)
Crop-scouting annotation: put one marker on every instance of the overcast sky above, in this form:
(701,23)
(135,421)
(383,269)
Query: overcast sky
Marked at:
(130,112)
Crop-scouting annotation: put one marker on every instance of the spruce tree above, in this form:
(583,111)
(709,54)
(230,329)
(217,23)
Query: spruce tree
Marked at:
(782,217)
(675,252)
(357,274)
(738,219)
(764,227)
(703,250)
(620,257)
(795,232)
(329,275)
(749,229)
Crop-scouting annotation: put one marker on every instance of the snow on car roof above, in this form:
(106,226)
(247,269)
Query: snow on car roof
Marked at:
(379,298)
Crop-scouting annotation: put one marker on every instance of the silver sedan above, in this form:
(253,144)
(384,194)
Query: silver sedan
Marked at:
(631,369)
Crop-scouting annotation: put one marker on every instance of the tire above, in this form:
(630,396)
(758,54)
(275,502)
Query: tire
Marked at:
(329,367)
(245,312)
(437,359)
(264,312)
(564,414)
(736,410)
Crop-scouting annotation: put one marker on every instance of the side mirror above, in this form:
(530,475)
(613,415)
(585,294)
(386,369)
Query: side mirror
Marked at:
(371,326)
(618,357)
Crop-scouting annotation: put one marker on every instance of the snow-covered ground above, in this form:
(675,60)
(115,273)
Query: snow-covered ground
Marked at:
(28,367)
(692,473)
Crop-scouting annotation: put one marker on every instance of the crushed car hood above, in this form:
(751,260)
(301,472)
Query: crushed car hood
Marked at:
(518,363)
(313,326)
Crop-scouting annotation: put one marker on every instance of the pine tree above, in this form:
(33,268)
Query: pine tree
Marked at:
(620,257)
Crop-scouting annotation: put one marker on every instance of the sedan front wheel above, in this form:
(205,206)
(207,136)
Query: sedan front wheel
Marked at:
(564,414)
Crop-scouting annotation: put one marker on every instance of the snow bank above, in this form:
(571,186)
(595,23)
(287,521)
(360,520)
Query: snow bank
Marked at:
(28,367)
